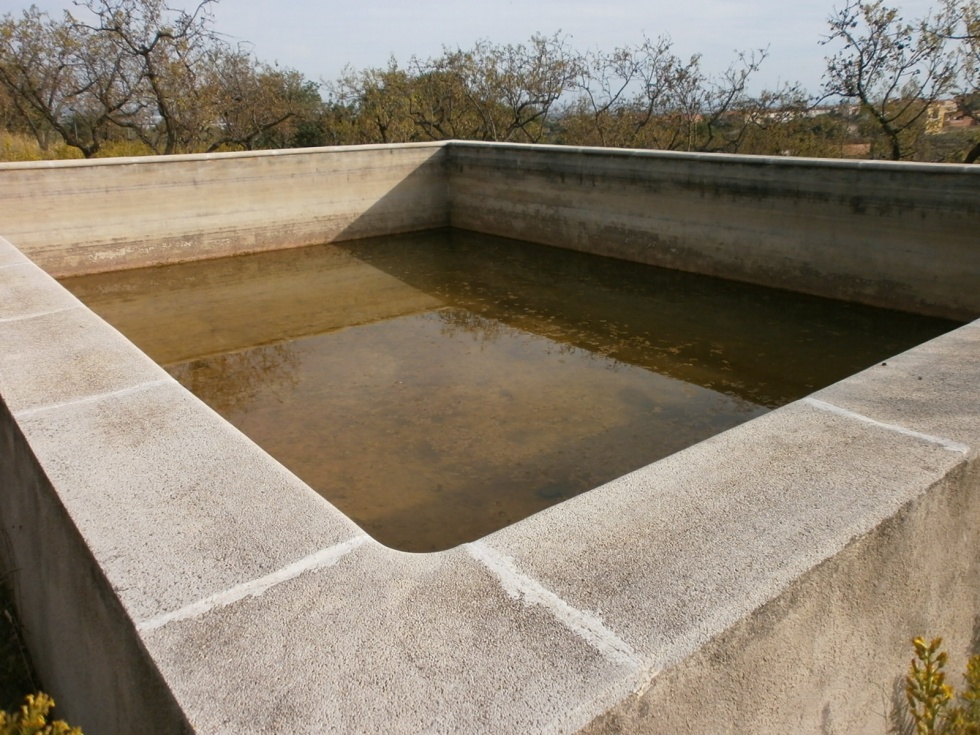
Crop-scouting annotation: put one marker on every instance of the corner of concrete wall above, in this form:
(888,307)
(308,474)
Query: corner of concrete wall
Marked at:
(830,654)
(83,643)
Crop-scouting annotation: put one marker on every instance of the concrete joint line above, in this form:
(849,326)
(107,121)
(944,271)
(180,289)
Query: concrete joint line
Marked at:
(256,587)
(37,315)
(585,625)
(27,412)
(14,265)
(949,444)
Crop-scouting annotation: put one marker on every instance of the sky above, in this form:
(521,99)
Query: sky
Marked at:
(320,37)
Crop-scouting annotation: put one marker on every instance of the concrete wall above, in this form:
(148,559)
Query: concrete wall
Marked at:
(903,236)
(75,217)
(897,235)
(175,578)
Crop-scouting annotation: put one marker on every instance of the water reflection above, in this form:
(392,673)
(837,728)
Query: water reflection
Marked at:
(439,386)
(439,427)
(765,345)
(230,383)
(179,313)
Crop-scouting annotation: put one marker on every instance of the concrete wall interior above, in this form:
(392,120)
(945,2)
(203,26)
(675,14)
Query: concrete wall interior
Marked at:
(73,217)
(899,236)
(902,236)
(173,577)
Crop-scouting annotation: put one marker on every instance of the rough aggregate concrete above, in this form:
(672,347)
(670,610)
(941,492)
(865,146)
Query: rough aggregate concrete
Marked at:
(931,388)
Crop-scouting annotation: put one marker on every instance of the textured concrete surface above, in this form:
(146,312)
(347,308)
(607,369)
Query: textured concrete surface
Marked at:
(413,644)
(81,638)
(174,578)
(9,255)
(765,572)
(829,654)
(774,518)
(27,290)
(185,474)
(932,389)
(60,357)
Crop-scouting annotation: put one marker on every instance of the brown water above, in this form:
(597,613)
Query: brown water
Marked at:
(439,386)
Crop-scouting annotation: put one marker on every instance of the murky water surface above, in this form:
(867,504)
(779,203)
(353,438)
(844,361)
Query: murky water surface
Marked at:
(437,387)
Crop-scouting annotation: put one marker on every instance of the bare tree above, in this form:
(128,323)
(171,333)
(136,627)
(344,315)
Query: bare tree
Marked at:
(515,87)
(139,68)
(167,50)
(60,77)
(646,96)
(970,89)
(440,103)
(893,69)
(488,92)
(712,113)
(620,93)
(249,100)
(378,101)
(491,92)
(786,121)
(966,33)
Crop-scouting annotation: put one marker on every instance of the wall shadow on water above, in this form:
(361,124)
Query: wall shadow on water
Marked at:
(766,346)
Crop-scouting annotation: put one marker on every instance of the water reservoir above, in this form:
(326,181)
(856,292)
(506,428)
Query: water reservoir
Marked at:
(438,386)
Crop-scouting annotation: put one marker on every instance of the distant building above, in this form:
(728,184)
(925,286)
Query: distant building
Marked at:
(846,110)
(943,115)
(856,150)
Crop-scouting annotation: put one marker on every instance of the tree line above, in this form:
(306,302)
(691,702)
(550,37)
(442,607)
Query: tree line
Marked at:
(166,81)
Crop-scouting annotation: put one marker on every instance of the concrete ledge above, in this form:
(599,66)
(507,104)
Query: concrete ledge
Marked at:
(829,653)
(174,578)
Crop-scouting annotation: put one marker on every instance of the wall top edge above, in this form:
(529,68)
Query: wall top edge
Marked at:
(732,158)
(185,157)
(729,158)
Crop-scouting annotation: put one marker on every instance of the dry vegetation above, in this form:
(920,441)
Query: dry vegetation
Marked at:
(133,77)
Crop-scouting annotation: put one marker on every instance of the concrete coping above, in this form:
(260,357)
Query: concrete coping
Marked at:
(196,157)
(729,158)
(266,610)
